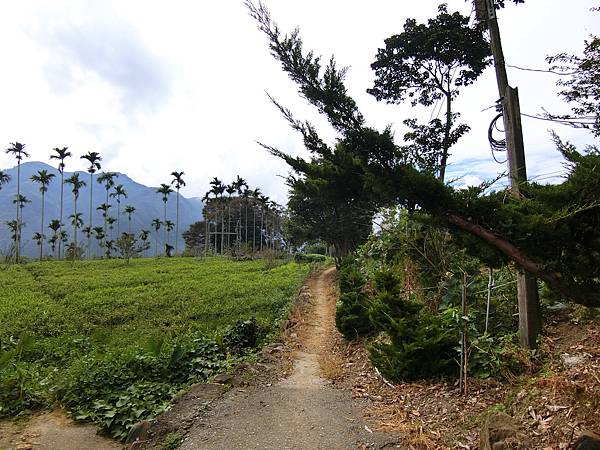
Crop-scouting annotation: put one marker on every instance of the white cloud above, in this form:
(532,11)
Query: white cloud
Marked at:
(156,86)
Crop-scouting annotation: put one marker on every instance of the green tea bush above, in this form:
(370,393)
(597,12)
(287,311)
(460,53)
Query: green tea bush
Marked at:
(309,257)
(112,342)
(244,335)
(117,390)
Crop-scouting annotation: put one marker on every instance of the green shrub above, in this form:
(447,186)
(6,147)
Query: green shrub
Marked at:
(417,344)
(118,389)
(351,279)
(309,257)
(19,382)
(499,357)
(171,441)
(352,315)
(245,334)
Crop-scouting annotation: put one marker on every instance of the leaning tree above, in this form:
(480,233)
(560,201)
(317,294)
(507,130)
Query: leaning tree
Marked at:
(553,234)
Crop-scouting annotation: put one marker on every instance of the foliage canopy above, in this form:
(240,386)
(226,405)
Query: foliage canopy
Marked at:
(553,233)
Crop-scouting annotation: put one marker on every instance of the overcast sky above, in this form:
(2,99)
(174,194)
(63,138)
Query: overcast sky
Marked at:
(180,85)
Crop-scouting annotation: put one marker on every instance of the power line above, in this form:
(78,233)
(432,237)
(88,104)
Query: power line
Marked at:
(575,121)
(554,72)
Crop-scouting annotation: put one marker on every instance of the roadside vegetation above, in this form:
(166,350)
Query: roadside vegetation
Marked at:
(113,342)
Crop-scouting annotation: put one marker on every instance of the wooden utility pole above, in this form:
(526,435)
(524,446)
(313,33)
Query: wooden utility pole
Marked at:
(527,293)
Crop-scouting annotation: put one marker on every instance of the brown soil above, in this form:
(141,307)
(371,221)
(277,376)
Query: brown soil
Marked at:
(554,404)
(52,431)
(301,410)
(314,390)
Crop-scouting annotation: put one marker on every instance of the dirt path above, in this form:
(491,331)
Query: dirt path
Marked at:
(52,431)
(299,412)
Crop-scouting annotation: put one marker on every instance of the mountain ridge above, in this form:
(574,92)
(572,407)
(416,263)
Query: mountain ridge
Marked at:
(148,204)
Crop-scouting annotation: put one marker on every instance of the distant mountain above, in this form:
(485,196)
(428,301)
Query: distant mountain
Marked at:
(147,202)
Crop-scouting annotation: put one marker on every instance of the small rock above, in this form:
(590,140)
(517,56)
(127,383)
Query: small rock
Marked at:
(268,358)
(223,378)
(572,360)
(24,446)
(500,432)
(139,432)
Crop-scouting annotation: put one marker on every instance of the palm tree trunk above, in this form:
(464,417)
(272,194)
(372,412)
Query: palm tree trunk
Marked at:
(229,226)
(42,229)
(118,217)
(75,229)
(105,219)
(216,233)
(164,221)
(18,230)
(177,224)
(91,221)
(262,220)
(206,237)
(253,229)
(222,229)
(62,189)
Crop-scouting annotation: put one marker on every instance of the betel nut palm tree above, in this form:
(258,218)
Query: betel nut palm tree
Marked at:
(61,154)
(18,151)
(93,158)
(76,221)
(179,183)
(165,190)
(218,189)
(119,191)
(129,210)
(43,178)
(156,224)
(107,178)
(55,226)
(4,178)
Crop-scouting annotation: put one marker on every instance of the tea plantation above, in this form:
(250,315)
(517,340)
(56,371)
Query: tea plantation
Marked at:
(112,343)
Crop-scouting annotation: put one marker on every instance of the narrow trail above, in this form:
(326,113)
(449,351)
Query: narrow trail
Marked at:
(299,412)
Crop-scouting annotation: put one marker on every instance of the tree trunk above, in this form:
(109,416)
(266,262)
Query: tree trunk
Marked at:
(534,268)
(222,228)
(62,189)
(18,230)
(42,229)
(165,227)
(446,144)
(177,224)
(206,231)
(91,203)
